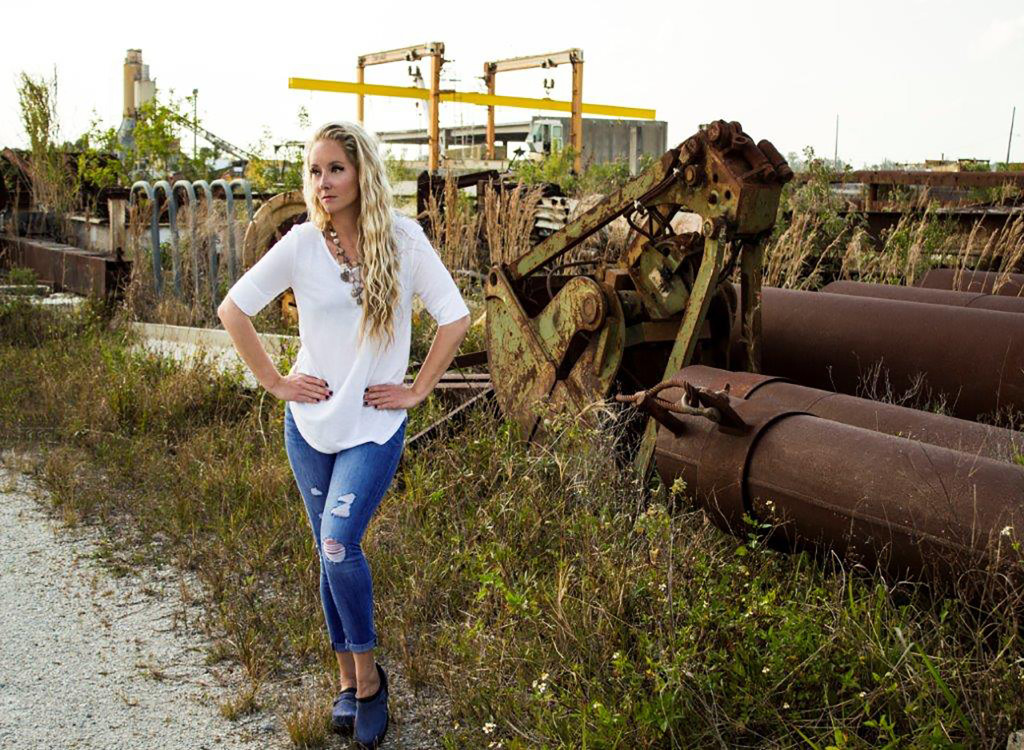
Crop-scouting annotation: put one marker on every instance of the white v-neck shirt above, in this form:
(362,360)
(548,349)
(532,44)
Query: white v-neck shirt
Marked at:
(329,320)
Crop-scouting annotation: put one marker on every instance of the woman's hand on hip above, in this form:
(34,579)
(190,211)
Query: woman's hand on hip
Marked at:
(392,396)
(305,389)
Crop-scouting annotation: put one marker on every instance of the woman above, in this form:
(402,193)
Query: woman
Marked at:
(354,268)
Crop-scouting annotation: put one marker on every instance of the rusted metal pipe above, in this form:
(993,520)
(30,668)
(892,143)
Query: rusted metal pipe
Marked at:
(927,295)
(973,359)
(926,427)
(876,499)
(1010,284)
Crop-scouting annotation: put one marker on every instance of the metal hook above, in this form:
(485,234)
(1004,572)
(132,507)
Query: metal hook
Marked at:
(154,230)
(172,215)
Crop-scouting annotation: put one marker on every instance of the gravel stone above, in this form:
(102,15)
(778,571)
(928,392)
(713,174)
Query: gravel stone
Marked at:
(90,660)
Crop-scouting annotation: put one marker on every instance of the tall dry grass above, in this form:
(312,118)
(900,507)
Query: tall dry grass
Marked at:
(455,227)
(508,221)
(813,248)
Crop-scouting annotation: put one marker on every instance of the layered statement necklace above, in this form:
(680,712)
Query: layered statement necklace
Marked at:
(350,272)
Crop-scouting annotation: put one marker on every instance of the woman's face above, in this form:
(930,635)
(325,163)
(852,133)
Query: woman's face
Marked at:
(333,176)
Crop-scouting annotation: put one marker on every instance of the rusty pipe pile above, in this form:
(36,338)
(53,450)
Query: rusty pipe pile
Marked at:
(927,295)
(973,358)
(960,435)
(911,507)
(965,280)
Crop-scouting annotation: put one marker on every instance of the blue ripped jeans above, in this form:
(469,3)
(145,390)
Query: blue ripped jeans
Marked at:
(341,492)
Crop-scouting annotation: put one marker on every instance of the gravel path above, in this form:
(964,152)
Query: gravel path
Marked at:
(88,660)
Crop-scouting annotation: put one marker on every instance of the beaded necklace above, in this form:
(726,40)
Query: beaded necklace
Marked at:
(350,274)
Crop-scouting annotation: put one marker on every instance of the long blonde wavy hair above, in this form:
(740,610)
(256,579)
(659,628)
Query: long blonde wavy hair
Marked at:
(377,250)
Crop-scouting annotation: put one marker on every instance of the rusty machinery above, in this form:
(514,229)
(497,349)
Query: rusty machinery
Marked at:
(915,492)
(564,340)
(810,481)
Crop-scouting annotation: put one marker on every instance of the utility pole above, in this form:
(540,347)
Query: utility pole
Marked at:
(1009,143)
(835,155)
(195,121)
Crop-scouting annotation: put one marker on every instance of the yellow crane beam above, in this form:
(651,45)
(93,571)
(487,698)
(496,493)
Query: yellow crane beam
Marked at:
(468,97)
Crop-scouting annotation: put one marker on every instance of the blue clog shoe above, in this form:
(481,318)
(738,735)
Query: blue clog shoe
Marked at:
(372,716)
(343,713)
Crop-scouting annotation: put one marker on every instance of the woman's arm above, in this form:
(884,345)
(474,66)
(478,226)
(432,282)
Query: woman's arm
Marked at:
(297,387)
(442,351)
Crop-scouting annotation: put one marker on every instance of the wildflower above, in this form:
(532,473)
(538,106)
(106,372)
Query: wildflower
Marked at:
(1007,530)
(541,685)
(597,705)
(785,705)
(489,727)
(861,694)
(766,670)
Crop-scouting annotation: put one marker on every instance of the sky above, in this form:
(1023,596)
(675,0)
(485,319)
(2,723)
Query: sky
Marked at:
(909,79)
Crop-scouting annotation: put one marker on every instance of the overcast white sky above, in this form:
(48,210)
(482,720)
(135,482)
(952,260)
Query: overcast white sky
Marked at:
(909,79)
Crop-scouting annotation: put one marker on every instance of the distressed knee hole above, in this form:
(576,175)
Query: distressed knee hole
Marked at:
(315,491)
(334,550)
(344,506)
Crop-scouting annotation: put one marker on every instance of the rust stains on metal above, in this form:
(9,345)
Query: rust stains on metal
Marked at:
(68,268)
(911,507)
(972,359)
(965,280)
(927,427)
(976,300)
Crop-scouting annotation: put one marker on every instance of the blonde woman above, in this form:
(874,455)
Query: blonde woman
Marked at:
(354,267)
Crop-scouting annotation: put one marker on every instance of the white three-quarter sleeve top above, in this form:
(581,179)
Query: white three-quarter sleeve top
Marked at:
(329,322)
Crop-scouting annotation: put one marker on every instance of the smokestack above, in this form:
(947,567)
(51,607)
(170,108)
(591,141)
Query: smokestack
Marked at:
(132,73)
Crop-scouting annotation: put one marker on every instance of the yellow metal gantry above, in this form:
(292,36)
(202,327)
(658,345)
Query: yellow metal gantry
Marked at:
(433,50)
(573,57)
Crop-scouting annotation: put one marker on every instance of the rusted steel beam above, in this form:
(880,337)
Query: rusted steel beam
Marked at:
(985,282)
(927,427)
(974,359)
(470,382)
(68,268)
(454,417)
(929,178)
(811,483)
(976,300)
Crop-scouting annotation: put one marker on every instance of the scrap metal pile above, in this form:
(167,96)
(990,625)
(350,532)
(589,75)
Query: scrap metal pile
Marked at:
(681,328)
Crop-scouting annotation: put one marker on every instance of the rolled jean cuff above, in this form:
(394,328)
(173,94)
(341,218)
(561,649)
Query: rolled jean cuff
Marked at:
(359,648)
(339,647)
